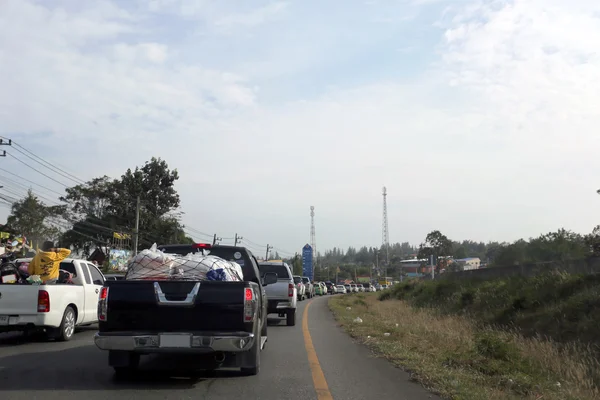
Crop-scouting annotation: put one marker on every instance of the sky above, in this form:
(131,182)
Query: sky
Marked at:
(480,117)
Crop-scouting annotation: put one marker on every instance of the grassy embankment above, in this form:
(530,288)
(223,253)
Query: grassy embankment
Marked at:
(532,338)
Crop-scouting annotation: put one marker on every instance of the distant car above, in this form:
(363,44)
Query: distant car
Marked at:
(300,287)
(368,287)
(340,289)
(353,288)
(360,287)
(330,287)
(324,289)
(310,287)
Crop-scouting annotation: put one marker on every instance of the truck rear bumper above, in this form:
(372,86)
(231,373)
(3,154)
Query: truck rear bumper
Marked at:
(276,306)
(175,342)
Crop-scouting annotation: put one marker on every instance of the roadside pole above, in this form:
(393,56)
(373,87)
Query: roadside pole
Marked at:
(136,233)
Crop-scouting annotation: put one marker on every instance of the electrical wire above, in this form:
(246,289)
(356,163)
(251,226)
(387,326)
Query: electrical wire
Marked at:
(14,144)
(36,170)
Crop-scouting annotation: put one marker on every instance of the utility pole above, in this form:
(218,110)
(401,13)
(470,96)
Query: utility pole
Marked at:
(313,240)
(385,233)
(237,239)
(5,143)
(216,239)
(267,252)
(136,233)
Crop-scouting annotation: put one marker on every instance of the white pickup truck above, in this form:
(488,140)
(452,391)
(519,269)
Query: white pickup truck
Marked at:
(57,308)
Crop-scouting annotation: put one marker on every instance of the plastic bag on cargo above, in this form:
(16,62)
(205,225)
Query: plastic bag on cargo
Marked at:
(152,264)
(201,267)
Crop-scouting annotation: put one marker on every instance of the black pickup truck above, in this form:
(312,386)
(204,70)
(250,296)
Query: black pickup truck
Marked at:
(222,323)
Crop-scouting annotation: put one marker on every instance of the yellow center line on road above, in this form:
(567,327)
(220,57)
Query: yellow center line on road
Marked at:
(319,381)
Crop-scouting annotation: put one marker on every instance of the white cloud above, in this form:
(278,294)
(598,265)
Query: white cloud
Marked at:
(494,140)
(253,18)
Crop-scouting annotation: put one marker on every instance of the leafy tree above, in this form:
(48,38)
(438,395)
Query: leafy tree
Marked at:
(30,215)
(103,206)
(436,244)
(297,264)
(91,199)
(593,241)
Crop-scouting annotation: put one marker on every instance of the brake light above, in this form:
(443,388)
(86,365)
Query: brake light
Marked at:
(103,304)
(43,301)
(249,305)
(201,246)
(291,290)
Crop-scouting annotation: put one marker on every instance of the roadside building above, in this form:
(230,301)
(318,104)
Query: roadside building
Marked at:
(469,263)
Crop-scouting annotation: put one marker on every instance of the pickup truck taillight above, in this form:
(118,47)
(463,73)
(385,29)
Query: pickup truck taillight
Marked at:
(291,290)
(249,305)
(103,304)
(43,301)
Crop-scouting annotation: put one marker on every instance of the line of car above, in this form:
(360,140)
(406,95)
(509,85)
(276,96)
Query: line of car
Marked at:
(354,287)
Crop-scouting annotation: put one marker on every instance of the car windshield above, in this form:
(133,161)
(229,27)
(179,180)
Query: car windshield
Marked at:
(297,279)
(305,280)
(340,287)
(280,270)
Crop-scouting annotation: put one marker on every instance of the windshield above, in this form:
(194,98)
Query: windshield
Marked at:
(297,279)
(280,270)
(305,280)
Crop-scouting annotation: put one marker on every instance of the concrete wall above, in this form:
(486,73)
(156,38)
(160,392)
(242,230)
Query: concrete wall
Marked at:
(588,266)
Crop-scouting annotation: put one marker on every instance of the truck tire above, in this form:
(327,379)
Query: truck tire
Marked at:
(255,357)
(67,326)
(291,317)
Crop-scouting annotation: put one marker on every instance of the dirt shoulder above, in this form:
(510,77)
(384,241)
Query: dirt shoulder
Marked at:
(453,357)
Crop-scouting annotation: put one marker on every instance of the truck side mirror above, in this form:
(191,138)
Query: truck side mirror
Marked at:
(269,278)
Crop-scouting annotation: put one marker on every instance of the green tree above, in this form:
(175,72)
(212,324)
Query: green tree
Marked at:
(436,244)
(297,264)
(593,242)
(103,206)
(30,217)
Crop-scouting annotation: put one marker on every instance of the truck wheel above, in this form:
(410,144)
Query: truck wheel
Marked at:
(255,357)
(67,326)
(291,317)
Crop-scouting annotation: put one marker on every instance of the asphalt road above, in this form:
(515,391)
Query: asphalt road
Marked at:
(318,363)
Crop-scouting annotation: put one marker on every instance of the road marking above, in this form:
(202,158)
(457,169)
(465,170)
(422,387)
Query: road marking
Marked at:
(319,381)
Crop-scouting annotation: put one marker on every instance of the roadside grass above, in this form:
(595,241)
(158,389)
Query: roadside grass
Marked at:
(459,359)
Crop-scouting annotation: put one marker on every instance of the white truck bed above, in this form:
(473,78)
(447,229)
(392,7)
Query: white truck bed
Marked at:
(25,307)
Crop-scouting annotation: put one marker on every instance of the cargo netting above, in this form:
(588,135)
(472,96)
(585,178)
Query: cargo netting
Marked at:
(153,264)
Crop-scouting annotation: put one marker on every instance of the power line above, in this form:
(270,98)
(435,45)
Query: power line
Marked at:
(34,183)
(255,244)
(37,170)
(49,165)
(53,169)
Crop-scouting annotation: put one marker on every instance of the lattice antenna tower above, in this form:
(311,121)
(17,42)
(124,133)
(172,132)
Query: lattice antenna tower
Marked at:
(385,234)
(313,240)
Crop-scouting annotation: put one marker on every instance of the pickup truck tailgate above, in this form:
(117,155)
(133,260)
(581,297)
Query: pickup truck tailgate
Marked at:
(175,306)
(18,300)
(279,290)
